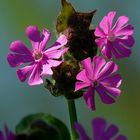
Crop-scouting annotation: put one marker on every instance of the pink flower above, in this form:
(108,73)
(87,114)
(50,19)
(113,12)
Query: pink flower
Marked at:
(101,131)
(40,59)
(115,39)
(100,77)
(7,134)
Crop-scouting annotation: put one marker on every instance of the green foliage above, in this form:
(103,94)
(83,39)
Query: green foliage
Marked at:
(43,127)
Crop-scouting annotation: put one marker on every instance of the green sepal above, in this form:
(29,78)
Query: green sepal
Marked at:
(50,85)
(65,15)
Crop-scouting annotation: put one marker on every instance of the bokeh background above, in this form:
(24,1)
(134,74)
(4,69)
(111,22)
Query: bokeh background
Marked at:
(18,99)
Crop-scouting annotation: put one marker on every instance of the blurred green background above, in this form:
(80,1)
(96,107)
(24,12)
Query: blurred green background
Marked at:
(18,99)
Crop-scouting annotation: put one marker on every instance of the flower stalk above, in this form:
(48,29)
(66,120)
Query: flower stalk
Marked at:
(73,118)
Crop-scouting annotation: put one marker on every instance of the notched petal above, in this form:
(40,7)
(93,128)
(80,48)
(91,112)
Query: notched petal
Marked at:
(33,33)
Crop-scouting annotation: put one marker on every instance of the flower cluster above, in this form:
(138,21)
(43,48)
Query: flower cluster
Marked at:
(100,76)
(75,67)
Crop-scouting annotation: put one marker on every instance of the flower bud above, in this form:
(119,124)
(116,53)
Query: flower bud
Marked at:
(81,43)
(75,25)
(64,78)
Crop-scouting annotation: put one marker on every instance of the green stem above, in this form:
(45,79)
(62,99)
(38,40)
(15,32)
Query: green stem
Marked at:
(73,118)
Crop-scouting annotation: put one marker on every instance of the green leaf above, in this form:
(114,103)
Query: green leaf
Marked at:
(42,126)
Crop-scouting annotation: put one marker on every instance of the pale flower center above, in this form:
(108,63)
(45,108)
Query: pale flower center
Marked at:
(111,37)
(37,55)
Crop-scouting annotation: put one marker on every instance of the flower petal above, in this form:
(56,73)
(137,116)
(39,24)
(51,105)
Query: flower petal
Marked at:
(111,131)
(81,85)
(6,130)
(127,30)
(111,16)
(1,136)
(122,20)
(47,70)
(104,96)
(54,63)
(81,132)
(61,41)
(99,32)
(98,125)
(101,42)
(87,65)
(8,134)
(108,69)
(113,91)
(83,77)
(18,59)
(104,25)
(116,54)
(127,41)
(121,137)
(89,97)
(18,47)
(24,72)
(11,136)
(44,39)
(112,81)
(99,62)
(35,77)
(56,53)
(33,34)
(123,50)
(106,51)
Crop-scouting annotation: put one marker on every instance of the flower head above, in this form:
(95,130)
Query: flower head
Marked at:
(40,59)
(7,134)
(100,77)
(101,131)
(115,39)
